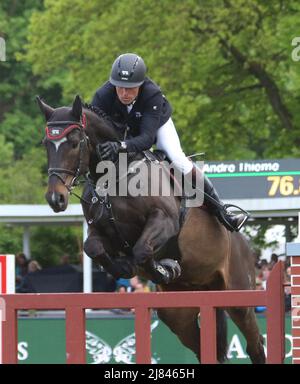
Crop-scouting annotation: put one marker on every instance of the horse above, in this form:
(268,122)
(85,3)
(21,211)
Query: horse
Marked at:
(210,256)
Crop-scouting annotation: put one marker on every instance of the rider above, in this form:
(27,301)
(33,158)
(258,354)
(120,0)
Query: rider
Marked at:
(132,98)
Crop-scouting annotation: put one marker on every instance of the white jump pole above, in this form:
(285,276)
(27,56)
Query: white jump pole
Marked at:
(87,265)
(7,285)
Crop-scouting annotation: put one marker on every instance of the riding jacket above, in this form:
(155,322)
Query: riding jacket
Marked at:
(149,111)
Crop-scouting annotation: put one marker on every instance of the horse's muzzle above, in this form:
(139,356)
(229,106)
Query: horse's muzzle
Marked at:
(57,201)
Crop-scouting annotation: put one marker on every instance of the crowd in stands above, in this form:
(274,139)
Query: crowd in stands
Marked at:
(135,284)
(263,270)
(23,267)
(26,270)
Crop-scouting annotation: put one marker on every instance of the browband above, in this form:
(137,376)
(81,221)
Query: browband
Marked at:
(55,131)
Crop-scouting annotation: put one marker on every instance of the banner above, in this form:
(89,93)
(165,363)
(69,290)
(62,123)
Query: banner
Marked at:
(112,340)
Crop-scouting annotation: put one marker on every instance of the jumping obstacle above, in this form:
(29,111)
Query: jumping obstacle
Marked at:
(293,250)
(207,302)
(7,285)
(7,274)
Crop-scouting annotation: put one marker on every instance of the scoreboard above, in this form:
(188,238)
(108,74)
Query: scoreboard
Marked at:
(255,179)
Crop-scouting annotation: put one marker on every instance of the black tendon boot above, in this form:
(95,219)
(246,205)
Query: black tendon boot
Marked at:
(233,222)
(164,271)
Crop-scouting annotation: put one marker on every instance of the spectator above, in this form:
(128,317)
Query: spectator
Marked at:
(34,266)
(264,274)
(134,281)
(287,289)
(274,260)
(259,286)
(123,285)
(21,268)
(139,285)
(25,285)
(142,287)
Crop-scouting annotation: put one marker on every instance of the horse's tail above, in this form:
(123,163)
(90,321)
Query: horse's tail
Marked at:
(221,335)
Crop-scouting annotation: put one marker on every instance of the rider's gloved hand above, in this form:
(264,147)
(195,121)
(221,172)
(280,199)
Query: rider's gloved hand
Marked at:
(109,150)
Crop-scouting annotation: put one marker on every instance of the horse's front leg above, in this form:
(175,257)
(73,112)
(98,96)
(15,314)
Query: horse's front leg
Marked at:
(117,267)
(159,228)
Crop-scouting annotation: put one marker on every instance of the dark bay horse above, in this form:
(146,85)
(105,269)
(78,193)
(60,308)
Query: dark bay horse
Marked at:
(211,257)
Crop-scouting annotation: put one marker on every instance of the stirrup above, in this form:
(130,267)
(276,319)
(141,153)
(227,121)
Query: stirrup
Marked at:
(242,223)
(226,212)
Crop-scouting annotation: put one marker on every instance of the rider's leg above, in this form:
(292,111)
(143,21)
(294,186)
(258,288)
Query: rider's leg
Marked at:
(216,206)
(168,141)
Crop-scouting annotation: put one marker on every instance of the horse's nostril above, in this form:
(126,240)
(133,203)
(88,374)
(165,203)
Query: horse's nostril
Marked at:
(61,199)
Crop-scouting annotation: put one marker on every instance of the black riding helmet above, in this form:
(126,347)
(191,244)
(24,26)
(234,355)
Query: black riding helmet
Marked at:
(128,71)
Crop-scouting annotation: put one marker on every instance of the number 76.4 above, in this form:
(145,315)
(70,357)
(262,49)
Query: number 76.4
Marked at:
(282,184)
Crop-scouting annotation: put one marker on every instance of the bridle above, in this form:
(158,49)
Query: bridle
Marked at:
(56,130)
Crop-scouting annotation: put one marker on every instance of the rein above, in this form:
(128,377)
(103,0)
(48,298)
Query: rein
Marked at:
(104,203)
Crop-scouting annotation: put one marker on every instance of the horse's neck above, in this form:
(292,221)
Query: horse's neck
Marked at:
(99,129)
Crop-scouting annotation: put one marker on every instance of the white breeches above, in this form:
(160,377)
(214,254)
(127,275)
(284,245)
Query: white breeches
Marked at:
(167,140)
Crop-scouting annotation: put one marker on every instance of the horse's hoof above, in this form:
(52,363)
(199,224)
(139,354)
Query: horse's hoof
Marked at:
(121,268)
(127,270)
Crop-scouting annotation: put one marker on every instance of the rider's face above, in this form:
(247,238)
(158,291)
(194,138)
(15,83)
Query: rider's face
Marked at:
(127,95)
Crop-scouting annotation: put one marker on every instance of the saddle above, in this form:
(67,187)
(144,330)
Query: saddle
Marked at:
(155,156)
(158,156)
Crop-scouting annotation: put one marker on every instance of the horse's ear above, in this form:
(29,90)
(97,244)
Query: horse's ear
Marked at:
(46,109)
(77,107)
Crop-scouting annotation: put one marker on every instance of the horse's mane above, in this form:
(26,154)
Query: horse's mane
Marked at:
(108,125)
(99,112)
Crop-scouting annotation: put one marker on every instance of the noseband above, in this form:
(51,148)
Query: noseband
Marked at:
(56,130)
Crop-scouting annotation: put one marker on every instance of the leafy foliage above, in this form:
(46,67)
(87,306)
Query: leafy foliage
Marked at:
(50,243)
(225,65)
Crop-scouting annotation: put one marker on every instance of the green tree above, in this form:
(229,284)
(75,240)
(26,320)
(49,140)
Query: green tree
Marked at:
(23,171)
(50,243)
(225,65)
(20,118)
(22,164)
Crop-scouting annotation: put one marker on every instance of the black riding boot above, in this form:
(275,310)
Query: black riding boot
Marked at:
(233,222)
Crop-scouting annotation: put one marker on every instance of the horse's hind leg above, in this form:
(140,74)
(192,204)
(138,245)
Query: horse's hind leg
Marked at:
(184,323)
(245,319)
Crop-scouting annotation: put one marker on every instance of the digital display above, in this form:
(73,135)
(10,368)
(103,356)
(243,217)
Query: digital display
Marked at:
(255,178)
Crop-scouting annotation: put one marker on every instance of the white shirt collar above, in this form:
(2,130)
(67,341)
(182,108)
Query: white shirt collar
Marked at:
(130,106)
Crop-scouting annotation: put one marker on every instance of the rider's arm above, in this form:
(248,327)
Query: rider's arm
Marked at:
(150,122)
